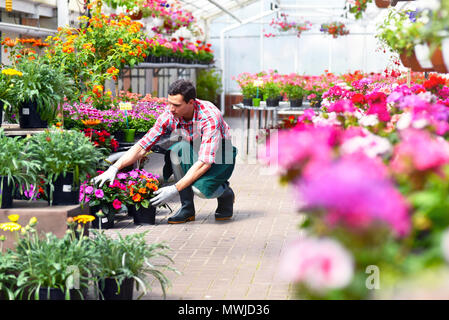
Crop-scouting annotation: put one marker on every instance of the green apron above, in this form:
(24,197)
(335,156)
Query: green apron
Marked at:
(218,174)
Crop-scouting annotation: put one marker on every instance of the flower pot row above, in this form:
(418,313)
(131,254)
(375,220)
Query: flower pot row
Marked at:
(128,135)
(140,216)
(294,103)
(154,59)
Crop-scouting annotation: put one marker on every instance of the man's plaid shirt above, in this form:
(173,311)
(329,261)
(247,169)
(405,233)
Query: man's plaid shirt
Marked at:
(207,124)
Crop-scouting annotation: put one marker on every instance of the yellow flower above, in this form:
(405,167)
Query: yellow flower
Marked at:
(10,226)
(84,218)
(13,217)
(33,221)
(12,72)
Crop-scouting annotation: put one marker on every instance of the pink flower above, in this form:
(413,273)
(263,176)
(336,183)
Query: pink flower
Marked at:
(89,190)
(117,204)
(99,193)
(321,264)
(122,176)
(419,150)
(342,106)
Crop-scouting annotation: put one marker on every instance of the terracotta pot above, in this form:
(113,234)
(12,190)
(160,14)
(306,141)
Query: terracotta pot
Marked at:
(422,52)
(405,60)
(382,3)
(137,16)
(416,66)
(438,61)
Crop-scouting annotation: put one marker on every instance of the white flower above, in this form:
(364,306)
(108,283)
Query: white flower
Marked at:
(369,120)
(371,145)
(420,123)
(320,264)
(404,121)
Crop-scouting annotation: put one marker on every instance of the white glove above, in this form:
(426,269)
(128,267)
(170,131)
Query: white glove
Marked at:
(105,176)
(163,195)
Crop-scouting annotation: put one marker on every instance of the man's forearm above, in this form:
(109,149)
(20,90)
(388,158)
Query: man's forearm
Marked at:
(131,156)
(195,172)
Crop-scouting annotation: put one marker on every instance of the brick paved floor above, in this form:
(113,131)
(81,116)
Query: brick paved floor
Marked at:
(234,259)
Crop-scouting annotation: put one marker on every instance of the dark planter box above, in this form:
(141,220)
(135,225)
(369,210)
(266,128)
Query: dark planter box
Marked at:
(108,288)
(247,101)
(107,221)
(272,102)
(29,117)
(295,103)
(58,294)
(143,215)
(119,136)
(6,193)
(65,193)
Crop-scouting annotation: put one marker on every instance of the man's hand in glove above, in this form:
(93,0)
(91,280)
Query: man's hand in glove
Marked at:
(163,195)
(105,176)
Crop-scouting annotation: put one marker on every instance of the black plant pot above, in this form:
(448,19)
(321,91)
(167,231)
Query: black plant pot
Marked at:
(29,116)
(143,215)
(65,193)
(272,102)
(248,101)
(6,192)
(139,135)
(294,103)
(109,289)
(1,112)
(119,136)
(107,221)
(58,294)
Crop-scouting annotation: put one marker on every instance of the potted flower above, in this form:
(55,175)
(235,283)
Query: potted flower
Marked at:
(142,123)
(272,91)
(140,188)
(6,88)
(47,266)
(39,90)
(335,29)
(126,260)
(105,201)
(314,97)
(66,158)
(102,139)
(17,167)
(295,94)
(358,7)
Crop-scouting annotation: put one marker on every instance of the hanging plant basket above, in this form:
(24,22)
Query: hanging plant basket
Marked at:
(416,66)
(136,16)
(382,3)
(440,57)
(405,59)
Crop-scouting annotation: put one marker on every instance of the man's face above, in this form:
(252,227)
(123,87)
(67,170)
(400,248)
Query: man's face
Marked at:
(179,108)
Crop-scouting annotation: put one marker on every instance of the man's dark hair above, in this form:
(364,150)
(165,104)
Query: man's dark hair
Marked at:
(184,88)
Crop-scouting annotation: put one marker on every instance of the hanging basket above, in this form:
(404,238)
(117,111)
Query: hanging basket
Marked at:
(405,59)
(382,3)
(422,52)
(440,56)
(416,66)
(137,15)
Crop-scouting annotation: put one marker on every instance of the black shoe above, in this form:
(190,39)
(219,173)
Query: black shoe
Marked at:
(225,207)
(187,211)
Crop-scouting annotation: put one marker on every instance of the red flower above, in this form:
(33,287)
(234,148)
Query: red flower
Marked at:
(358,98)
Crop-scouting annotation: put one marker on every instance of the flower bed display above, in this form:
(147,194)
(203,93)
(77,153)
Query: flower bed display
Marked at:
(371,171)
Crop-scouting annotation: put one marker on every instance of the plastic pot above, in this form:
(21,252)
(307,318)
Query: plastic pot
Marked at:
(272,102)
(129,134)
(109,289)
(294,103)
(247,102)
(65,193)
(143,215)
(256,102)
(29,116)
(6,193)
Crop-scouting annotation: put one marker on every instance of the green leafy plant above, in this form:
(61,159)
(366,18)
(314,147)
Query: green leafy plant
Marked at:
(272,90)
(7,277)
(208,85)
(130,257)
(140,124)
(293,91)
(45,84)
(16,162)
(64,151)
(50,262)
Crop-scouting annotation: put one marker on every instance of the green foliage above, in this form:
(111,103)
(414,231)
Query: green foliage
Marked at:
(208,85)
(272,90)
(49,261)
(7,278)
(62,151)
(45,84)
(294,91)
(16,161)
(129,257)
(140,124)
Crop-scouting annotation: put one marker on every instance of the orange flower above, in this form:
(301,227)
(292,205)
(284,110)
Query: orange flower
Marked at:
(91,122)
(137,198)
(143,190)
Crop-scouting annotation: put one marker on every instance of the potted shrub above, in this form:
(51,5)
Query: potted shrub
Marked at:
(39,91)
(17,167)
(48,266)
(140,188)
(66,158)
(125,261)
(141,124)
(272,91)
(295,94)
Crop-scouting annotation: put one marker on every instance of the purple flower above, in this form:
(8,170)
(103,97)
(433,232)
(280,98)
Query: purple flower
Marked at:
(99,194)
(134,174)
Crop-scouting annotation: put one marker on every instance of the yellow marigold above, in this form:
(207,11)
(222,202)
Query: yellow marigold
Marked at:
(84,218)
(13,217)
(10,226)
(12,72)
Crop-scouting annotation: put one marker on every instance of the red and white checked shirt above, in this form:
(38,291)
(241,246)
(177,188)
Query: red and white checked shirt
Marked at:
(207,124)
